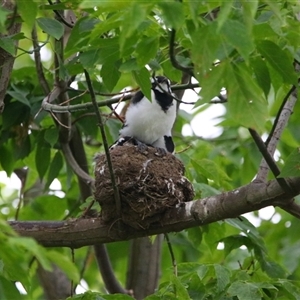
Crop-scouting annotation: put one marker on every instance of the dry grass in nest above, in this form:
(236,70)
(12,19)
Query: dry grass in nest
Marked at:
(148,185)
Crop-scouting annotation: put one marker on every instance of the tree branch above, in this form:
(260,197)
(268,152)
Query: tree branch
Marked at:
(111,283)
(82,232)
(269,160)
(75,167)
(172,56)
(6,59)
(38,62)
(275,134)
(47,106)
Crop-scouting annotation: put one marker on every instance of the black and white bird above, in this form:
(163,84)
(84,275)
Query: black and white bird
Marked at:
(151,122)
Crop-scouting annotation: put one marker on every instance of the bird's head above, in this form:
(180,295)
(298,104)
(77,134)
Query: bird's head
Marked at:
(161,84)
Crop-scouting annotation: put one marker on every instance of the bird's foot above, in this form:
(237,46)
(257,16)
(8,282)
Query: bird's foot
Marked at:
(140,146)
(160,151)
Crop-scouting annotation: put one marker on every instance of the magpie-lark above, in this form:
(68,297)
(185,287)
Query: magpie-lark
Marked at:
(150,122)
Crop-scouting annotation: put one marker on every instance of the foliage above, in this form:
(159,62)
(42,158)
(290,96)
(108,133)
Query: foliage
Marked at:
(245,49)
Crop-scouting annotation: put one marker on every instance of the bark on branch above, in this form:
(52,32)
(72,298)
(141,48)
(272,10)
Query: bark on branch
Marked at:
(82,232)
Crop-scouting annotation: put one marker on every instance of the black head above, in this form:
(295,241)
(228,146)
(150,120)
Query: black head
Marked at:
(161,87)
(161,84)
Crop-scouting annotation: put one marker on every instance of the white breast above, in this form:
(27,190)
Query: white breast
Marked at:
(147,122)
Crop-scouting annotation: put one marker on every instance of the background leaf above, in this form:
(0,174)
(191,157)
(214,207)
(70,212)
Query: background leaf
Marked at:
(292,165)
(51,26)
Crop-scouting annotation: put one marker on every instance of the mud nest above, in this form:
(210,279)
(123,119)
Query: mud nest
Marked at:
(148,185)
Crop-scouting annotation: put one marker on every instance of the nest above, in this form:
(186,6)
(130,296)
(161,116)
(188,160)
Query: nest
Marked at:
(148,185)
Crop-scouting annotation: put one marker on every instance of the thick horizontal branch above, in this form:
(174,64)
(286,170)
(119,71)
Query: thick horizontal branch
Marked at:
(82,232)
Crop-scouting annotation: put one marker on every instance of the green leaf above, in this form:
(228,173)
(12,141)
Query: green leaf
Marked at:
(110,74)
(237,35)
(245,226)
(212,83)
(273,269)
(132,18)
(80,35)
(223,277)
(146,49)
(129,65)
(244,291)
(172,13)
(249,12)
(8,44)
(34,248)
(291,288)
(262,74)
(89,58)
(246,103)
(55,167)
(292,165)
(108,5)
(278,59)
(42,159)
(108,51)
(14,113)
(64,263)
(236,241)
(51,136)
(275,7)
(172,73)
(6,159)
(225,10)
(212,234)
(195,235)
(142,78)
(180,290)
(205,46)
(19,96)
(210,170)
(45,207)
(6,229)
(28,11)
(8,289)
(51,27)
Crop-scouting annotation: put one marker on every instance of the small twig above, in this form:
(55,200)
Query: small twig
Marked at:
(87,209)
(73,98)
(105,144)
(183,150)
(113,111)
(60,17)
(92,114)
(269,160)
(58,121)
(221,99)
(72,282)
(173,59)
(171,253)
(105,94)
